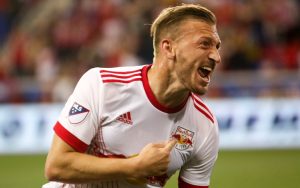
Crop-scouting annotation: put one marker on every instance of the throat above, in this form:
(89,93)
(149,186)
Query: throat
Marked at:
(173,100)
(167,92)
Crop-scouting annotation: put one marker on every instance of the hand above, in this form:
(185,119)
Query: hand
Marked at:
(153,160)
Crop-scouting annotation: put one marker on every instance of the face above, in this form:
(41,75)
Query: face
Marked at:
(196,51)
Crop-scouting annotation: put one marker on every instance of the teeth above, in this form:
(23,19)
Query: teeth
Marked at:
(205,71)
(207,68)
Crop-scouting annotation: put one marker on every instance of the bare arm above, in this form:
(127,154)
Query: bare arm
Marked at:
(66,165)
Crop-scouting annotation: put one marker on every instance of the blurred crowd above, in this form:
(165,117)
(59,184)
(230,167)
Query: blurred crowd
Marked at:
(46,45)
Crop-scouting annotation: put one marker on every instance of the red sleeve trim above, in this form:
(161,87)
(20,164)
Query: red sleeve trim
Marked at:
(69,138)
(182,184)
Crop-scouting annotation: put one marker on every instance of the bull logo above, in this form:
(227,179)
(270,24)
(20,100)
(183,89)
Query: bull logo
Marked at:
(184,138)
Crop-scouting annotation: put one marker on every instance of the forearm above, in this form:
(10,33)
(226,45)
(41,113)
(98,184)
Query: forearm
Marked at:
(66,165)
(77,168)
(73,167)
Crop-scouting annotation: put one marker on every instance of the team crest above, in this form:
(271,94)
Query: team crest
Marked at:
(184,138)
(77,113)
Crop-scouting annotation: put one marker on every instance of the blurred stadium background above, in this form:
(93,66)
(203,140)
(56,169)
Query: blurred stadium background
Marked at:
(46,45)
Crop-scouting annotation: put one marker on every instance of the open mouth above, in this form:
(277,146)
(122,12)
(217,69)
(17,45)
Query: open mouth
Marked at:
(205,71)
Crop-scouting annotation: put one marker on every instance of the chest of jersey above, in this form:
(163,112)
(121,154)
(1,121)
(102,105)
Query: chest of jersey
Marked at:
(131,122)
(122,116)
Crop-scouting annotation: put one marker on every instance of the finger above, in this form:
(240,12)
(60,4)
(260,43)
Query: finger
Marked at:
(171,143)
(159,145)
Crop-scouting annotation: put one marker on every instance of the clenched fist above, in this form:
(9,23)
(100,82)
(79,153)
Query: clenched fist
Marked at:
(153,160)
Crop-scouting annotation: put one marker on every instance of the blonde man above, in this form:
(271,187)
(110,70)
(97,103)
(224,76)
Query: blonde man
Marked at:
(136,126)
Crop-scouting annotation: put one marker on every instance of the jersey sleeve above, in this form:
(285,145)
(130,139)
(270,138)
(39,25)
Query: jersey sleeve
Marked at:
(196,173)
(79,119)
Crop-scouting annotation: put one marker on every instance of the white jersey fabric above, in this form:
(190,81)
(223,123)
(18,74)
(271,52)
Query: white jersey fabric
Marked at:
(113,113)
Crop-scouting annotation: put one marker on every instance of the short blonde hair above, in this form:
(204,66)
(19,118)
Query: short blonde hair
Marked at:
(170,17)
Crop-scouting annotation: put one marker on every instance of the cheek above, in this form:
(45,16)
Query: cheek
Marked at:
(182,67)
(186,68)
(187,63)
(187,75)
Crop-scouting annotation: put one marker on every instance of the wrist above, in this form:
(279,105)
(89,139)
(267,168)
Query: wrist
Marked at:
(132,168)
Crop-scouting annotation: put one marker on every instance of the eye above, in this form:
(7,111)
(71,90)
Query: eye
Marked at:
(218,46)
(205,44)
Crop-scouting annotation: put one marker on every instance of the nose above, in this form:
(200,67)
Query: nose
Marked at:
(214,55)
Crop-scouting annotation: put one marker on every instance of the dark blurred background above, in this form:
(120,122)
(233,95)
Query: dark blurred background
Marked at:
(46,45)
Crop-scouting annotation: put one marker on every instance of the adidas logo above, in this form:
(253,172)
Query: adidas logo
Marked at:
(125,118)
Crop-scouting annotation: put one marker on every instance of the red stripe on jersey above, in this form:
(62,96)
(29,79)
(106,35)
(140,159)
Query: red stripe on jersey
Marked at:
(69,138)
(204,113)
(120,72)
(121,81)
(182,184)
(118,76)
(198,101)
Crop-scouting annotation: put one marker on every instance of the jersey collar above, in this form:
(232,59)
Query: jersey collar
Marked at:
(153,99)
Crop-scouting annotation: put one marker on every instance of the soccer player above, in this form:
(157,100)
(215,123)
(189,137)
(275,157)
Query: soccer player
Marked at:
(134,127)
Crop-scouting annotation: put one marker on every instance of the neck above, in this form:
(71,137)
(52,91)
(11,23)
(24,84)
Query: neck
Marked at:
(166,88)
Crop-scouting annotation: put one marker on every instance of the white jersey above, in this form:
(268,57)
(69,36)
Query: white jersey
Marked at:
(113,113)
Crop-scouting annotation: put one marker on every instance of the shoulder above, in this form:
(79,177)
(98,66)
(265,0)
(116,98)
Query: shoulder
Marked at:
(113,70)
(95,74)
(202,108)
(91,74)
(127,69)
(204,123)
(121,74)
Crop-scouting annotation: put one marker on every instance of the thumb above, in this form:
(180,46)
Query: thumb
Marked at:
(170,144)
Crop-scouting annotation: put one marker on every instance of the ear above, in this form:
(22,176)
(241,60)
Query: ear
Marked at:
(168,48)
